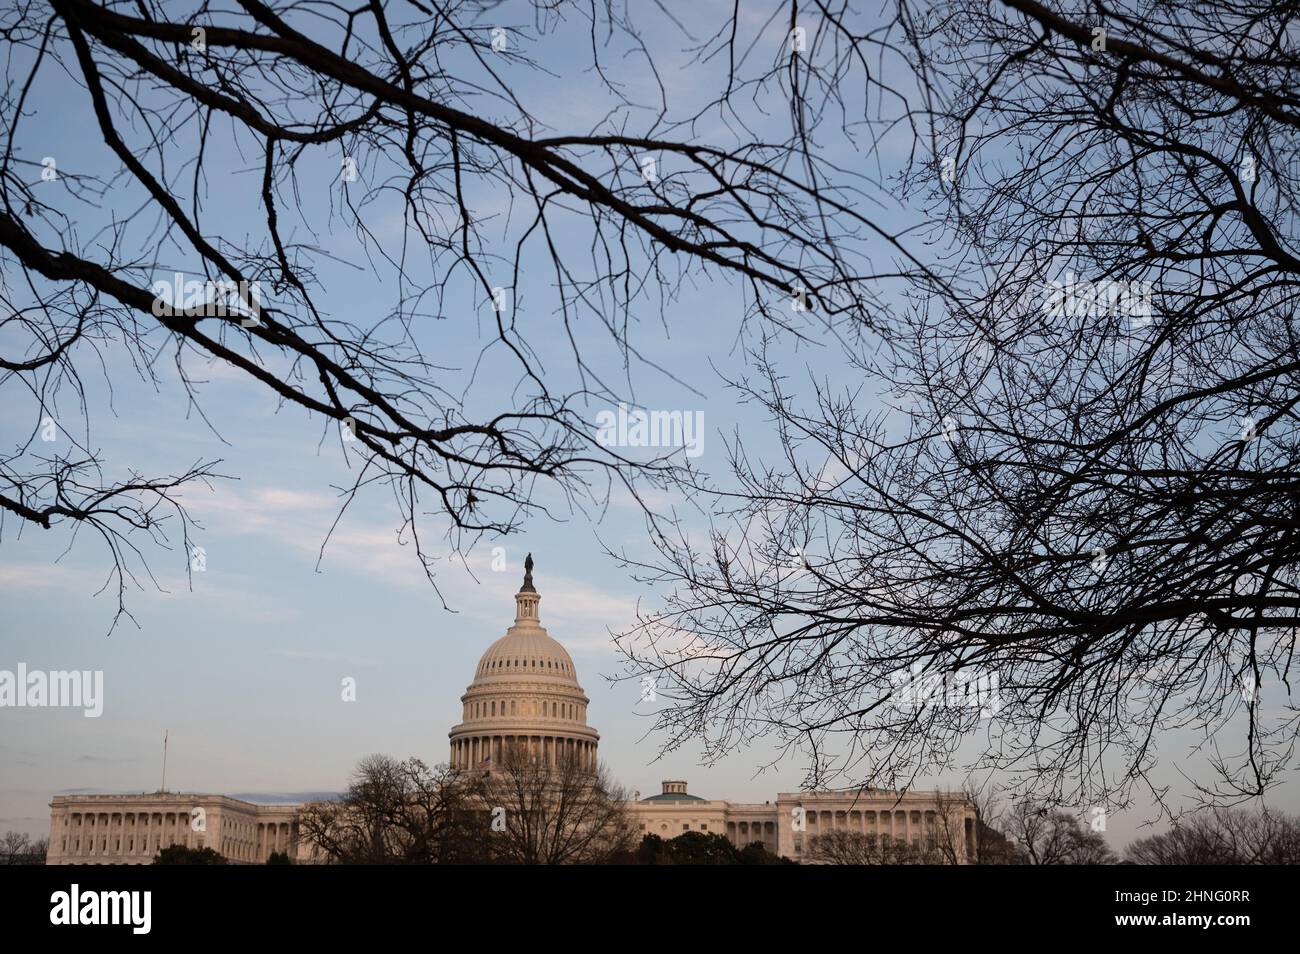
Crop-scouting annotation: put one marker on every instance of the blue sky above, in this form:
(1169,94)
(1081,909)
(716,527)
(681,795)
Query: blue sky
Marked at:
(244,668)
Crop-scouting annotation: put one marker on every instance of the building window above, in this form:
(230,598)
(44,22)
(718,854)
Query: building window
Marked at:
(704,827)
(686,827)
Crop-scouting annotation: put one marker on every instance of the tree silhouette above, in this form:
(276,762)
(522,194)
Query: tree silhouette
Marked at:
(1078,490)
(394,126)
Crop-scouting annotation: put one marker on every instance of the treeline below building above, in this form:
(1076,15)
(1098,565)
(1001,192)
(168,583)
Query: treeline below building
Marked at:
(523,812)
(17,848)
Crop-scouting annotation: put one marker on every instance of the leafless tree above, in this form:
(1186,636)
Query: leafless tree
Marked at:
(549,813)
(18,848)
(993,845)
(1080,483)
(398,124)
(396,813)
(1223,837)
(948,841)
(1048,836)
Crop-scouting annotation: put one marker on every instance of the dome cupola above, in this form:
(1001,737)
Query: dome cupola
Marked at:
(525,694)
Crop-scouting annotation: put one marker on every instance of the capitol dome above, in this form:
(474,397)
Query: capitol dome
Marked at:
(526,696)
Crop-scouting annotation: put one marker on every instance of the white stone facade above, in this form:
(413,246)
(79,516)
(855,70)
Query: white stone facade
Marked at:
(131,829)
(920,820)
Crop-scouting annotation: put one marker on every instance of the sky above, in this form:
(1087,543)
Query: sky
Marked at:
(240,666)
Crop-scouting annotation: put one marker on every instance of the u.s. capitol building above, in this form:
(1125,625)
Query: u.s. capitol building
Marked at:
(525,693)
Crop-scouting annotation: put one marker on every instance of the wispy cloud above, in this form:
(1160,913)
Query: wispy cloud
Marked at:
(313,655)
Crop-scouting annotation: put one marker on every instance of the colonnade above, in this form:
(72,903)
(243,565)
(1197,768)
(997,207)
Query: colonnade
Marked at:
(136,836)
(484,751)
(118,834)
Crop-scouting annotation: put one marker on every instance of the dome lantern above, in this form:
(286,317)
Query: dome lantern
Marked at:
(527,598)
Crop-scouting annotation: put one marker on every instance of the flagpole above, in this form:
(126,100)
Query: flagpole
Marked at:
(164,775)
